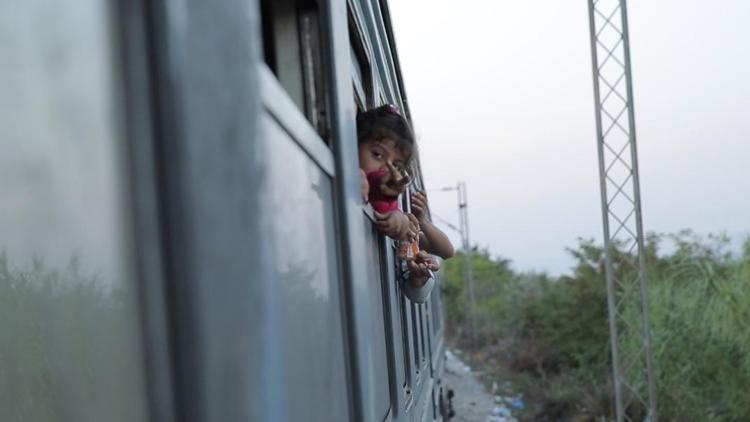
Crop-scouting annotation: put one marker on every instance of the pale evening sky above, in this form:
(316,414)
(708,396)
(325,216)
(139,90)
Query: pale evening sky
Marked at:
(501,95)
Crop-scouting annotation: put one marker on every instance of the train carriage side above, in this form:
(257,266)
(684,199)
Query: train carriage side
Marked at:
(394,346)
(212,145)
(414,335)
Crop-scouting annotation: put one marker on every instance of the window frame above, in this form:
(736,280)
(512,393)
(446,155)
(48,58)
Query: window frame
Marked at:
(136,44)
(361,57)
(295,53)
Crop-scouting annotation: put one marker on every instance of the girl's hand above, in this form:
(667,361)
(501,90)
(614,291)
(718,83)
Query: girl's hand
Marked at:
(419,206)
(420,269)
(397,225)
(427,260)
(394,183)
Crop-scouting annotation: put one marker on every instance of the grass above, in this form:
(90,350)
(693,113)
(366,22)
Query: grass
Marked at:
(549,336)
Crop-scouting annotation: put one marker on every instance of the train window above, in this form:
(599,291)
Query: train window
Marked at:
(377,247)
(416,334)
(361,68)
(406,334)
(437,322)
(306,262)
(70,339)
(359,92)
(424,333)
(293,51)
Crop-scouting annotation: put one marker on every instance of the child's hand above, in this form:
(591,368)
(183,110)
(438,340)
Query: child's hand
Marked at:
(364,185)
(414,222)
(394,183)
(397,225)
(419,206)
(420,269)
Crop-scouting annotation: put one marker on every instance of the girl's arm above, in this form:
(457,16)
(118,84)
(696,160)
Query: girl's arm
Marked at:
(432,240)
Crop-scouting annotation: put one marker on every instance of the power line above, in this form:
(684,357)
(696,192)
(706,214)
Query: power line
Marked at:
(445,222)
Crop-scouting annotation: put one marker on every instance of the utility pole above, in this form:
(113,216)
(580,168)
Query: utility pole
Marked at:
(633,372)
(466,246)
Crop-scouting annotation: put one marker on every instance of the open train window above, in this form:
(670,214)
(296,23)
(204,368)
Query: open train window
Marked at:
(293,50)
(361,68)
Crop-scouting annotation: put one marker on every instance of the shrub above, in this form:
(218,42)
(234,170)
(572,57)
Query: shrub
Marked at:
(551,335)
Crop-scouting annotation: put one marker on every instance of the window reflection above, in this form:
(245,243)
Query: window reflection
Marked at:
(69,328)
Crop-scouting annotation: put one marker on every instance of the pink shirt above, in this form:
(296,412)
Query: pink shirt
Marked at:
(380,202)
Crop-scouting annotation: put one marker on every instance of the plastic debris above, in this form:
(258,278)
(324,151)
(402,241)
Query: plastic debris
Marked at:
(501,414)
(517,403)
(501,411)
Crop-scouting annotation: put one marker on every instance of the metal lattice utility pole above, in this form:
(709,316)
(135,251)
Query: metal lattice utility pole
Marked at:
(627,289)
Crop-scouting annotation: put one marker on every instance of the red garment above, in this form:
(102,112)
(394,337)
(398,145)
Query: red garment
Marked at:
(380,202)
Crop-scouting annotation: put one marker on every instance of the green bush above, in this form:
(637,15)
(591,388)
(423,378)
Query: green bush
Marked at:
(550,336)
(699,313)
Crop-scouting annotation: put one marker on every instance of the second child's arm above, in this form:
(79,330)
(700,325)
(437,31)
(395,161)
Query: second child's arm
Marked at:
(432,240)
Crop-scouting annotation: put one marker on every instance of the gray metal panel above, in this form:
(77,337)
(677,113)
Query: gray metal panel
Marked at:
(379,384)
(301,197)
(70,329)
(423,407)
(402,403)
(282,108)
(408,349)
(148,234)
(363,364)
(396,339)
(219,261)
(436,307)
(420,387)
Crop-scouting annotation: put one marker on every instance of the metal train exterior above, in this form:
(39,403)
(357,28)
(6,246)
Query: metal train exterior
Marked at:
(199,160)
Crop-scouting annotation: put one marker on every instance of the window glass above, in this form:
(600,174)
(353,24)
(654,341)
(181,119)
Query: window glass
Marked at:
(361,70)
(437,321)
(406,333)
(310,315)
(360,99)
(293,51)
(69,324)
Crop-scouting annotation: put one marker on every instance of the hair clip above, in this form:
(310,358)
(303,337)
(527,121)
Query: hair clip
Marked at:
(390,108)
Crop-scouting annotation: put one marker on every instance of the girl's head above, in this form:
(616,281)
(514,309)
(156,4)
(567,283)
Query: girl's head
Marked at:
(384,137)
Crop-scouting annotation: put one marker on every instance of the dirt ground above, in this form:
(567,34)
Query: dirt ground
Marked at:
(472,402)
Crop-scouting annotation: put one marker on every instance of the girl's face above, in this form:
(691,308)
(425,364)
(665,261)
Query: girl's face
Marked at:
(375,155)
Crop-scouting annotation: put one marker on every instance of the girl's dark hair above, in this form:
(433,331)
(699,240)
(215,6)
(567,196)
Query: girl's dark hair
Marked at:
(385,122)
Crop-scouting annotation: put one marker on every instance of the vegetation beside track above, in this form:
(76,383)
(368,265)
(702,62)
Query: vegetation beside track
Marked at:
(549,336)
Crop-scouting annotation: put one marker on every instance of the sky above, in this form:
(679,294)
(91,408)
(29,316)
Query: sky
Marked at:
(501,96)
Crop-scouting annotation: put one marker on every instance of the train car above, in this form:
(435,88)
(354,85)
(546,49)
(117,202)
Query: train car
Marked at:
(182,234)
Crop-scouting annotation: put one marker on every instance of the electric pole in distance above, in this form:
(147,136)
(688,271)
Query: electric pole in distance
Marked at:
(466,246)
